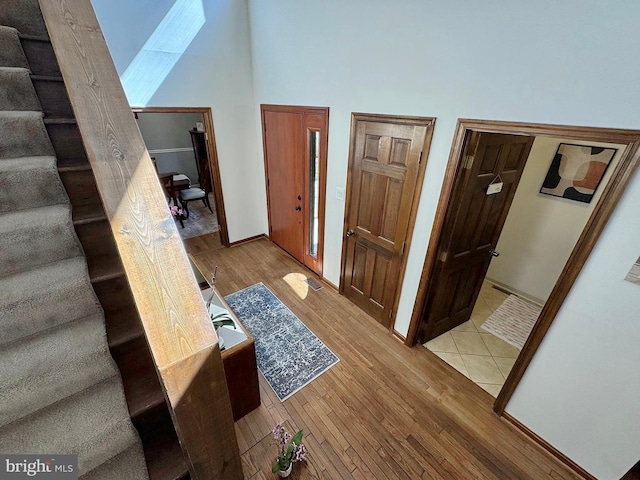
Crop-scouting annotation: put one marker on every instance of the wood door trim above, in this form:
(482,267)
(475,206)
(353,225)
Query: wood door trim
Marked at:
(595,225)
(322,188)
(293,109)
(212,153)
(429,123)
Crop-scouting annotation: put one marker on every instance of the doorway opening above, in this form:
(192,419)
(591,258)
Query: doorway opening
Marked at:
(482,152)
(295,141)
(181,142)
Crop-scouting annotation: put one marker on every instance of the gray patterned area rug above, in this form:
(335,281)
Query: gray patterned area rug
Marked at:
(513,321)
(289,355)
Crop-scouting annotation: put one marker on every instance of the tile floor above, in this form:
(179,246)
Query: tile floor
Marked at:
(477,354)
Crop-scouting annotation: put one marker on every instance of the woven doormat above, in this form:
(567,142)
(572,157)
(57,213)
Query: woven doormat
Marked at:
(513,321)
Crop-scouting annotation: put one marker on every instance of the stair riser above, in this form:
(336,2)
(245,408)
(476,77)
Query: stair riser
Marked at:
(121,316)
(53,98)
(115,295)
(67,143)
(97,238)
(80,186)
(141,382)
(42,60)
(147,421)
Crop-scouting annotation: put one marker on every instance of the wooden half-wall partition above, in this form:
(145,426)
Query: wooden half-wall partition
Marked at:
(182,341)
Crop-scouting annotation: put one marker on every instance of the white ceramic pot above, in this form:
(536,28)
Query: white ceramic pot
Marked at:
(287,472)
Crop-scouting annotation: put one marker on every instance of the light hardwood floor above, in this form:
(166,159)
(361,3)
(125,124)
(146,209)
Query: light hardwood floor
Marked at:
(384,411)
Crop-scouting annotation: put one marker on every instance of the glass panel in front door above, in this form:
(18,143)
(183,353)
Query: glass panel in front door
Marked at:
(314,179)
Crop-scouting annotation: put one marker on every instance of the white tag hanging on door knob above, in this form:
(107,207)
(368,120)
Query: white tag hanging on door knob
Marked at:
(495,186)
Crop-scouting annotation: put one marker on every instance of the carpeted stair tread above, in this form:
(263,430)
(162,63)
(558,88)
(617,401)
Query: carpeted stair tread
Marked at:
(45,297)
(11,53)
(93,424)
(76,358)
(17,92)
(35,237)
(23,135)
(24,15)
(120,467)
(38,175)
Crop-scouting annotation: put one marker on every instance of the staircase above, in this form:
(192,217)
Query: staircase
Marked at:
(62,281)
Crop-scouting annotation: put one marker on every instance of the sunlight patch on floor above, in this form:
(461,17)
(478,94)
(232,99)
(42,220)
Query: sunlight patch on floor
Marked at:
(297,283)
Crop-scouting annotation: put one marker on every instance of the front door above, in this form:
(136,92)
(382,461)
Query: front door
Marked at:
(386,168)
(295,144)
(283,152)
(492,167)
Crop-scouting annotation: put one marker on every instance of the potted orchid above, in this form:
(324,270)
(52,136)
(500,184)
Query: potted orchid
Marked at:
(178,214)
(290,450)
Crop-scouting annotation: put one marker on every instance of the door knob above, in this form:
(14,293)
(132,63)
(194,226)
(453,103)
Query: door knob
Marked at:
(350,232)
(298,208)
(493,253)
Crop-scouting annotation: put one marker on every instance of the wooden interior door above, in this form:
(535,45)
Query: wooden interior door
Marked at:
(386,168)
(295,147)
(472,226)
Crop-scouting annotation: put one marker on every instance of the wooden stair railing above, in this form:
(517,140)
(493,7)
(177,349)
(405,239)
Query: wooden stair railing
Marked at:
(176,326)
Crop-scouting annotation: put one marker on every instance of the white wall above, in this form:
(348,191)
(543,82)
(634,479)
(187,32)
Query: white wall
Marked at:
(199,57)
(171,131)
(563,62)
(541,230)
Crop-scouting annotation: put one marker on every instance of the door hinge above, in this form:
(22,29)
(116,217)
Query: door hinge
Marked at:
(443,256)
(467,162)
(420,161)
(404,244)
(206,137)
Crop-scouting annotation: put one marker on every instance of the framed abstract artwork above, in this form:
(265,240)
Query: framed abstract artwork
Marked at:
(576,171)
